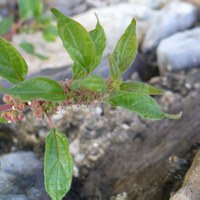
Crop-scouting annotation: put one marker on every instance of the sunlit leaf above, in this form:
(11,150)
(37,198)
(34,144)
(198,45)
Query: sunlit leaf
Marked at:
(76,40)
(143,105)
(139,87)
(94,83)
(174,116)
(126,50)
(114,69)
(25,11)
(50,33)
(36,7)
(12,66)
(29,48)
(5,25)
(99,38)
(58,165)
(39,88)
(30,8)
(78,71)
(44,20)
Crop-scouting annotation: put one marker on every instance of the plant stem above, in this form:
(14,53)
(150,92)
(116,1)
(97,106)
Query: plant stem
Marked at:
(5,107)
(51,124)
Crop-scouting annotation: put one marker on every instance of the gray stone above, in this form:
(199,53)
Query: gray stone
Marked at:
(67,7)
(155,4)
(180,51)
(175,17)
(13,197)
(21,177)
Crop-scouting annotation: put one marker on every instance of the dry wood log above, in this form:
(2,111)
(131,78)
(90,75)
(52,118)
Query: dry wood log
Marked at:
(139,165)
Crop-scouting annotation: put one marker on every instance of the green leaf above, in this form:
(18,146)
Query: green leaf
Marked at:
(99,38)
(174,116)
(139,87)
(58,165)
(144,105)
(30,8)
(76,40)
(114,69)
(5,25)
(78,71)
(29,48)
(125,51)
(94,83)
(37,88)
(12,66)
(45,21)
(25,11)
(36,7)
(50,33)
(3,120)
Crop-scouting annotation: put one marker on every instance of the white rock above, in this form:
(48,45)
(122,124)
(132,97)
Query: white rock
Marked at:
(115,19)
(155,4)
(169,21)
(99,110)
(180,51)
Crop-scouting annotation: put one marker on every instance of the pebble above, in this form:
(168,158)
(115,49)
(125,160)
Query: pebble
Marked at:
(169,21)
(99,110)
(20,170)
(180,51)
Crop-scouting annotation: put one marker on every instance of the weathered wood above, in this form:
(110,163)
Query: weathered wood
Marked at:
(139,166)
(191,185)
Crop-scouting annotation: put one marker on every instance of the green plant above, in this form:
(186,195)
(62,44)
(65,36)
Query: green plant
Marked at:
(30,13)
(30,19)
(45,96)
(33,19)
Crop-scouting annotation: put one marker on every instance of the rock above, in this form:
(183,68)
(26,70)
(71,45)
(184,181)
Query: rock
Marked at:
(7,8)
(180,51)
(21,177)
(116,18)
(67,7)
(195,2)
(97,3)
(169,21)
(155,4)
(191,185)
(13,197)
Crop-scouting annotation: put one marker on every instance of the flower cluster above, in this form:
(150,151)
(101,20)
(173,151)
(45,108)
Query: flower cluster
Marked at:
(79,96)
(42,108)
(15,108)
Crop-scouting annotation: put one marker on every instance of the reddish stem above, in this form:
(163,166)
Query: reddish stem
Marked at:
(5,107)
(51,124)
